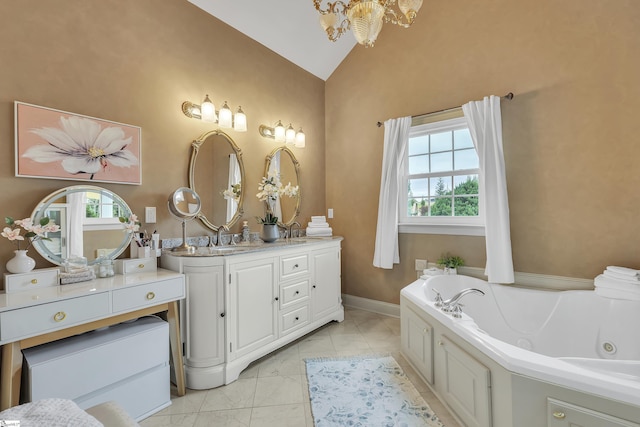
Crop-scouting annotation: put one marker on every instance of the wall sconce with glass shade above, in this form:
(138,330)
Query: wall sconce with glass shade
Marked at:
(224,118)
(287,135)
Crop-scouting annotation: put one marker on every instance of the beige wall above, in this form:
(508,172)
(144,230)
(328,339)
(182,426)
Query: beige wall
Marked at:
(570,134)
(135,63)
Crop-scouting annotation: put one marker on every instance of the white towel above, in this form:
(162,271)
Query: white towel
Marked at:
(624,270)
(318,225)
(319,219)
(623,277)
(319,232)
(616,289)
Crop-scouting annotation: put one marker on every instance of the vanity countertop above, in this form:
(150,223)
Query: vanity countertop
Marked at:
(243,248)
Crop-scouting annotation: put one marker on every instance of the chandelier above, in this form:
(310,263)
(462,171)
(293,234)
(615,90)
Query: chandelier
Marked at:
(365,18)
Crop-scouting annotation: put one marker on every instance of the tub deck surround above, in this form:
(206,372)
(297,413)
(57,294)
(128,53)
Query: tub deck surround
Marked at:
(40,315)
(570,340)
(244,302)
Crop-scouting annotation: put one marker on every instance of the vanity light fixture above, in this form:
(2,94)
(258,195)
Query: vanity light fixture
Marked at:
(287,135)
(207,113)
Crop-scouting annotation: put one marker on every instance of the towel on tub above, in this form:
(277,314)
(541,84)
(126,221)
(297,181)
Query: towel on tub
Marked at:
(616,289)
(625,271)
(624,278)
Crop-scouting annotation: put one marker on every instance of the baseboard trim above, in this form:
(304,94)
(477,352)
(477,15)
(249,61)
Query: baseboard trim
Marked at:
(367,304)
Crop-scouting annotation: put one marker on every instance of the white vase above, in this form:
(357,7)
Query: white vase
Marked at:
(450,270)
(20,263)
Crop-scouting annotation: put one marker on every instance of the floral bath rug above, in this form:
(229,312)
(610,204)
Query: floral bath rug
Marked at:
(365,391)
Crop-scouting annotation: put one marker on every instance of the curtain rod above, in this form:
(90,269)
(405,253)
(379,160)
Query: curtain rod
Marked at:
(508,96)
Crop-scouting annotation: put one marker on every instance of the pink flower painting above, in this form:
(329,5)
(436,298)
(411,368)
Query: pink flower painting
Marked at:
(56,144)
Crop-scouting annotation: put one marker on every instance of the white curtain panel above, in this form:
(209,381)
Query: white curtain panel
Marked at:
(485,125)
(234,178)
(76,214)
(396,138)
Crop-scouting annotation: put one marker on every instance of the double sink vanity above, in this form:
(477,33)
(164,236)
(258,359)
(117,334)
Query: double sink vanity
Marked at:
(245,301)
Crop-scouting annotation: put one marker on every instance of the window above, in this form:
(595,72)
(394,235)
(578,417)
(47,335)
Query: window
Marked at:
(440,186)
(101,212)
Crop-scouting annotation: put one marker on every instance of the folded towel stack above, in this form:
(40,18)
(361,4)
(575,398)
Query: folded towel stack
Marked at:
(319,227)
(618,283)
(77,276)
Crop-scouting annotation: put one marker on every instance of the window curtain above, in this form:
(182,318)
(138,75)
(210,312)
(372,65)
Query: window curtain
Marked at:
(396,138)
(234,178)
(274,168)
(77,213)
(485,126)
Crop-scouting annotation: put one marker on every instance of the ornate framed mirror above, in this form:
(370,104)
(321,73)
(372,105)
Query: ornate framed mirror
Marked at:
(216,164)
(89,224)
(282,161)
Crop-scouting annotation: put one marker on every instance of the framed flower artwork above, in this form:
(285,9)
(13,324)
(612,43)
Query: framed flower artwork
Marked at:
(61,145)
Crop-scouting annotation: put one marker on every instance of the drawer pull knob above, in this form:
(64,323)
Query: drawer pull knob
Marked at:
(425,330)
(59,316)
(295,266)
(34,281)
(277,298)
(558,415)
(440,343)
(150,295)
(297,318)
(314,286)
(140,265)
(297,292)
(221,314)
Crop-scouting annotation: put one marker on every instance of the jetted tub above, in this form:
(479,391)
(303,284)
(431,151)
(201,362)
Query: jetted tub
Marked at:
(574,339)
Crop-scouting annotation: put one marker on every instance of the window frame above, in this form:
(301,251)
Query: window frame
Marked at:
(463,225)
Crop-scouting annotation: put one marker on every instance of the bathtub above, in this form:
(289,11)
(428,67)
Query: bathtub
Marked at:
(573,339)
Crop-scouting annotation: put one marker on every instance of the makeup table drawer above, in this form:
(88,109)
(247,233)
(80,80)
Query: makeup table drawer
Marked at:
(136,297)
(31,280)
(39,319)
(292,266)
(136,265)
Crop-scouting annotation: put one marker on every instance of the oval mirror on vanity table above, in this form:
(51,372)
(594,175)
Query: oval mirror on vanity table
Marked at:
(283,161)
(89,224)
(216,164)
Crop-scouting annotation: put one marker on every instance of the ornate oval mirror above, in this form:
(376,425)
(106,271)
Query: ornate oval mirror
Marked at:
(216,165)
(89,224)
(282,161)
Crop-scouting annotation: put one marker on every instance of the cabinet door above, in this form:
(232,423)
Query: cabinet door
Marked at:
(563,414)
(417,342)
(204,316)
(253,300)
(465,384)
(325,285)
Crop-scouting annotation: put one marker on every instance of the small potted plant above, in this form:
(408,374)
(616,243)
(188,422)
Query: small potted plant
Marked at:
(450,263)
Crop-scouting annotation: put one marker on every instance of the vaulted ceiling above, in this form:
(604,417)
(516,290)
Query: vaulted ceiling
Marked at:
(291,28)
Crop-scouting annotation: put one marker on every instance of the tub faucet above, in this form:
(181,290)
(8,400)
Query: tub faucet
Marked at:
(453,306)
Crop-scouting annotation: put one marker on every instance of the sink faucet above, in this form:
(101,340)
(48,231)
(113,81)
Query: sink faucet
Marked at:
(290,232)
(452,305)
(221,228)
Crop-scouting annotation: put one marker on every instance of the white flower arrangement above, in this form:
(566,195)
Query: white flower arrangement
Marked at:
(271,188)
(233,192)
(131,224)
(34,232)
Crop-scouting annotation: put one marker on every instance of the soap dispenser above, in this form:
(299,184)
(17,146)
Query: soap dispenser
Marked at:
(245,231)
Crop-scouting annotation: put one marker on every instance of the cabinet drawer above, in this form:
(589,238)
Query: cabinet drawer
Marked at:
(294,319)
(135,297)
(294,293)
(136,265)
(36,320)
(291,266)
(31,280)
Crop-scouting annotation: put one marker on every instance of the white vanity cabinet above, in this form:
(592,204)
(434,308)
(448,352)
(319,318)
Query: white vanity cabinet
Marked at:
(253,303)
(242,306)
(417,342)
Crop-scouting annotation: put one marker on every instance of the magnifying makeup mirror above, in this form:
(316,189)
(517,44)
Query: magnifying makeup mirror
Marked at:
(184,204)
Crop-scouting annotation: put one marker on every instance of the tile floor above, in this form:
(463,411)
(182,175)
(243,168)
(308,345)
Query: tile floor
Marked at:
(273,390)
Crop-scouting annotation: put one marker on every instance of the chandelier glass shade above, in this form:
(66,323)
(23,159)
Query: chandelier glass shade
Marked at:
(365,17)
